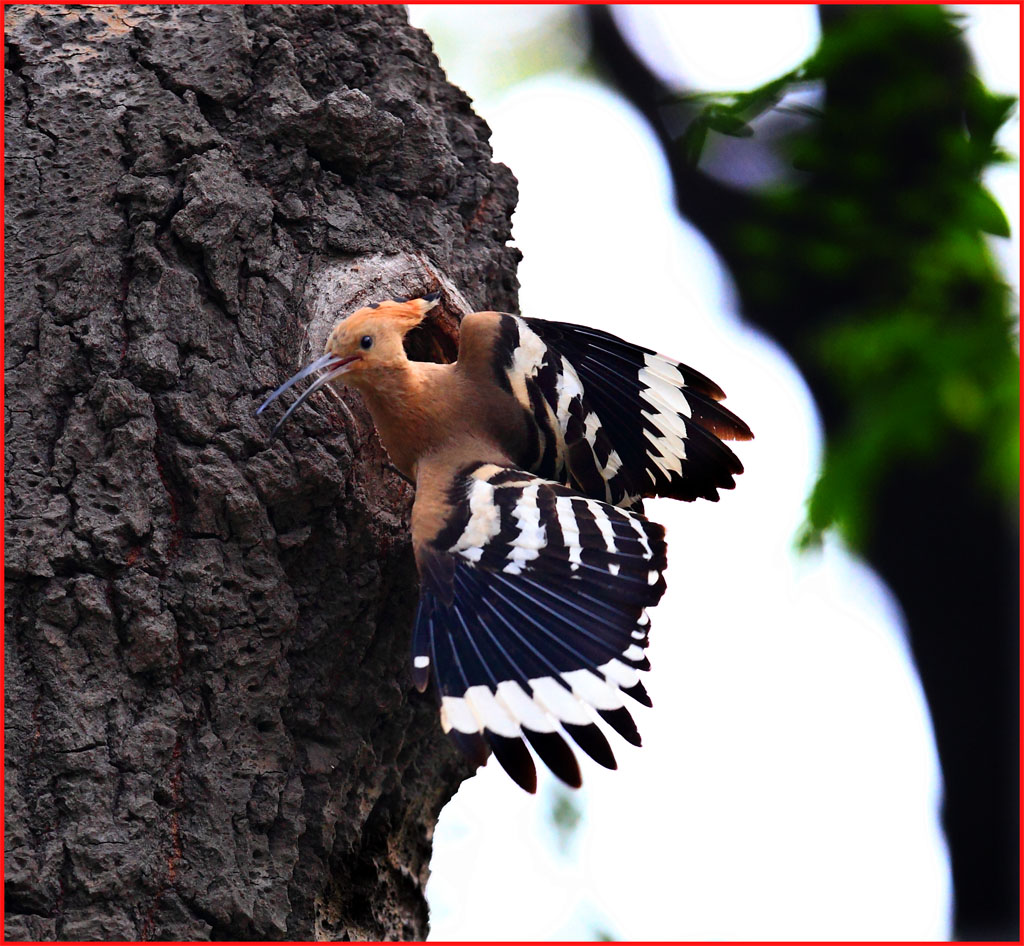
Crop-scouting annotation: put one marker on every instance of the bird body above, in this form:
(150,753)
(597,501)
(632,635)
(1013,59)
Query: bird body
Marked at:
(531,456)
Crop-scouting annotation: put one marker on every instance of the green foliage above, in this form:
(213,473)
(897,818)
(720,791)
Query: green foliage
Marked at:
(730,113)
(565,818)
(887,227)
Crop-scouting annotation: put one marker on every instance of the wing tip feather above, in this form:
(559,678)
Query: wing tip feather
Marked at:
(515,759)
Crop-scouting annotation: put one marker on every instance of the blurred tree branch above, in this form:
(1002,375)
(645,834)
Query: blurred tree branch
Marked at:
(872,271)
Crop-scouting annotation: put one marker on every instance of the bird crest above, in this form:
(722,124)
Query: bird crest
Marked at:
(399,315)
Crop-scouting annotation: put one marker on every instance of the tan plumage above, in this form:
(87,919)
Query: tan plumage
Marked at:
(421,408)
(534,583)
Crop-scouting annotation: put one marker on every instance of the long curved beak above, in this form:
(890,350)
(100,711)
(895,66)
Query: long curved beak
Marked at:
(338,366)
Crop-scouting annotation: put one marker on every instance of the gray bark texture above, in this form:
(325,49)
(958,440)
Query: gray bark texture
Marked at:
(211,730)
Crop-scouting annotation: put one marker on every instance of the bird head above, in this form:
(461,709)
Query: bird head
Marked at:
(372,337)
(368,340)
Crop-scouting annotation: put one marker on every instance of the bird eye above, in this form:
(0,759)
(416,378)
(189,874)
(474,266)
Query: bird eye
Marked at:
(366,341)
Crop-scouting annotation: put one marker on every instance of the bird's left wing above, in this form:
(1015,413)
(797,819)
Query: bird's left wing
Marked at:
(531,614)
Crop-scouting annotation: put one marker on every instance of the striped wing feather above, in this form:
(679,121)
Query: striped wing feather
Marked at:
(661,417)
(532,609)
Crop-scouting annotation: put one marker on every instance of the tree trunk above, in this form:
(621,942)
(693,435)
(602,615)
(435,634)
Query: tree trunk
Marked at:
(211,730)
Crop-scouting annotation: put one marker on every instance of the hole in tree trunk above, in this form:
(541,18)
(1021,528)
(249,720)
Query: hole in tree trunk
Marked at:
(435,339)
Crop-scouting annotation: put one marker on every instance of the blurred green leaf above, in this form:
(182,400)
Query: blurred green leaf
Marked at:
(565,818)
(693,140)
(988,214)
(757,101)
(987,111)
(728,113)
(727,122)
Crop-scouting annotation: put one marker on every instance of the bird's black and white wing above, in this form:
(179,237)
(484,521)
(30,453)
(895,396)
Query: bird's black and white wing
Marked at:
(618,421)
(532,614)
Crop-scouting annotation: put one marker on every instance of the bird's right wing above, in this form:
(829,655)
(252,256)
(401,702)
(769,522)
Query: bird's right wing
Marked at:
(661,419)
(610,419)
(531,613)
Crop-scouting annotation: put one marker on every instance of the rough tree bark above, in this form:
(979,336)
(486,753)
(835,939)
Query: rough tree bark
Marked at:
(211,731)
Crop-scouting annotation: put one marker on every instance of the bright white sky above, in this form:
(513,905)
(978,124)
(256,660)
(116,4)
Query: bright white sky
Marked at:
(788,785)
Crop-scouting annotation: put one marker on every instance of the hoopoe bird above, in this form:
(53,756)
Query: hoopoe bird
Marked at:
(531,455)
